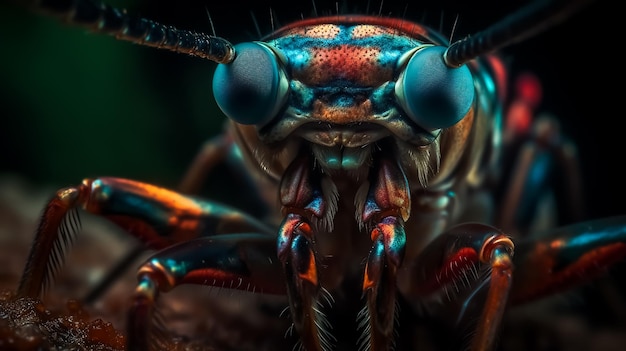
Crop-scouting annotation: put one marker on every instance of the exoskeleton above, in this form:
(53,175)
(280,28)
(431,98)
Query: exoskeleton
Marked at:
(400,190)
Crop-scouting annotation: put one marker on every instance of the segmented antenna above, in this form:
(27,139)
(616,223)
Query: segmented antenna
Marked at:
(102,18)
(520,25)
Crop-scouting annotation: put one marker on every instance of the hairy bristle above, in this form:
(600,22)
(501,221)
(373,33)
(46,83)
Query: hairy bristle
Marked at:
(69,227)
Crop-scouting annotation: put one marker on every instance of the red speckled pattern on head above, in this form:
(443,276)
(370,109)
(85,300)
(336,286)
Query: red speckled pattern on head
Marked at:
(347,48)
(347,62)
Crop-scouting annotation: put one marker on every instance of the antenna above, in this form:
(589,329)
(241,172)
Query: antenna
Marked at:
(102,18)
(531,20)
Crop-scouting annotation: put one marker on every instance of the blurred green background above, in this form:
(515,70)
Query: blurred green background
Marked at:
(78,105)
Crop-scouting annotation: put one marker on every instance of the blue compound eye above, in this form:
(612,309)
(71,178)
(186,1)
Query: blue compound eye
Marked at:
(252,88)
(434,95)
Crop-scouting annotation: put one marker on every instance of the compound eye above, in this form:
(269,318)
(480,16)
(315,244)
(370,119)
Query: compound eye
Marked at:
(252,88)
(434,95)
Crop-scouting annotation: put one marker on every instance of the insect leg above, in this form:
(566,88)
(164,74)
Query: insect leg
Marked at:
(541,154)
(451,258)
(218,150)
(235,261)
(386,207)
(302,203)
(157,216)
(212,153)
(222,150)
(567,257)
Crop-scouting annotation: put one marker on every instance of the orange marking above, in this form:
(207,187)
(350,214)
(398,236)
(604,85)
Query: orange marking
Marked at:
(375,234)
(368,283)
(169,198)
(305,228)
(311,273)
(360,113)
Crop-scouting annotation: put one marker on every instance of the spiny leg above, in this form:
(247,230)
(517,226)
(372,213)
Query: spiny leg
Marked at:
(212,153)
(386,208)
(218,150)
(236,261)
(452,258)
(157,216)
(303,203)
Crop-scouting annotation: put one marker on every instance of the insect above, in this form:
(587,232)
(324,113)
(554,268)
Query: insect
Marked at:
(350,193)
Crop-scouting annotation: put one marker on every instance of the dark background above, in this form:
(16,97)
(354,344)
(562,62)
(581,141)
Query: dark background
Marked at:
(77,105)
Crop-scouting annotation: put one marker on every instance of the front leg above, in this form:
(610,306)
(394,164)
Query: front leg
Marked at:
(452,259)
(303,204)
(157,216)
(386,209)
